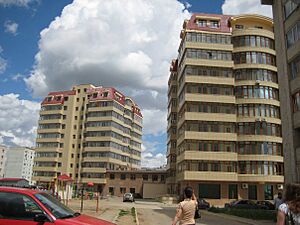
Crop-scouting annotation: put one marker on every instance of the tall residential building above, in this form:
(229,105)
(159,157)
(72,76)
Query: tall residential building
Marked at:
(86,131)
(287,35)
(19,163)
(227,140)
(2,160)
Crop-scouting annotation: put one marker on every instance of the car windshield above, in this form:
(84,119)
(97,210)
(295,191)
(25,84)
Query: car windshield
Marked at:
(128,195)
(59,210)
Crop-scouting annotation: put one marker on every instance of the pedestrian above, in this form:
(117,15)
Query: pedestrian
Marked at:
(289,211)
(278,201)
(185,212)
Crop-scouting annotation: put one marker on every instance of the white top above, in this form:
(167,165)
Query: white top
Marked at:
(285,209)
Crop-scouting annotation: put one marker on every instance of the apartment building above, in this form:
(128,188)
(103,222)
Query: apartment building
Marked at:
(224,128)
(2,160)
(287,35)
(19,163)
(86,131)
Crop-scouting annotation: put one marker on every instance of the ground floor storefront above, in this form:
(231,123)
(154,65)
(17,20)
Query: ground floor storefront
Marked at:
(220,193)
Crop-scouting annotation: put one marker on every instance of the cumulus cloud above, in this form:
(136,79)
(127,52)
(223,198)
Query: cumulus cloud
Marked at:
(125,44)
(152,156)
(234,7)
(18,120)
(16,2)
(3,62)
(11,27)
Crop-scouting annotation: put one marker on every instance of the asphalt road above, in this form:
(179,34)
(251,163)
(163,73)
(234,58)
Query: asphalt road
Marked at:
(165,215)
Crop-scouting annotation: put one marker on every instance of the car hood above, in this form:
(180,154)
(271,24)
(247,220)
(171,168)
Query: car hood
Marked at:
(83,220)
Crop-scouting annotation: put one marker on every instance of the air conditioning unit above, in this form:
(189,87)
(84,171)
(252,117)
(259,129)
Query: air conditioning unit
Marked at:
(244,186)
(280,186)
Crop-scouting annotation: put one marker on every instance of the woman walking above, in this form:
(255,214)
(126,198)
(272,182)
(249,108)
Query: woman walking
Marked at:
(186,209)
(289,212)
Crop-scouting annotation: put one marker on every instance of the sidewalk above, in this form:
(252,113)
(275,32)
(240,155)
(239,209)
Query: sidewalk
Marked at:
(240,219)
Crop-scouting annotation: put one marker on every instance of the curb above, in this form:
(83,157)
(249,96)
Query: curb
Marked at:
(136,217)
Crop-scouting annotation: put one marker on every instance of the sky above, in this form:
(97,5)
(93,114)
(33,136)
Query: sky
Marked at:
(51,45)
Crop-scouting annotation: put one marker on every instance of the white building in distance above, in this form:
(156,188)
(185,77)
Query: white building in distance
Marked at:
(19,163)
(2,160)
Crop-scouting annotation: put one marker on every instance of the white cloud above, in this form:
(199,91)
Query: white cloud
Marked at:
(3,62)
(16,2)
(17,77)
(11,27)
(234,7)
(125,44)
(152,156)
(153,161)
(18,120)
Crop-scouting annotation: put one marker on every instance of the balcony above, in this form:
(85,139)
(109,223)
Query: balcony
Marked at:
(257,101)
(94,180)
(45,168)
(252,119)
(260,178)
(209,80)
(50,121)
(208,62)
(259,138)
(47,159)
(209,46)
(207,176)
(209,136)
(255,83)
(207,156)
(42,140)
(270,158)
(49,112)
(209,98)
(52,130)
(42,178)
(253,31)
(255,66)
(100,109)
(221,117)
(93,170)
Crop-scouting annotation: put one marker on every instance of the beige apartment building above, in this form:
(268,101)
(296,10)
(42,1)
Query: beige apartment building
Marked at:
(287,35)
(86,131)
(224,126)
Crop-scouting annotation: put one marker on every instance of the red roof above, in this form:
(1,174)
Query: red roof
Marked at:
(11,179)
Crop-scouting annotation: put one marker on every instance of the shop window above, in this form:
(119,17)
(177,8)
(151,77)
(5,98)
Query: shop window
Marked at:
(123,176)
(212,191)
(268,192)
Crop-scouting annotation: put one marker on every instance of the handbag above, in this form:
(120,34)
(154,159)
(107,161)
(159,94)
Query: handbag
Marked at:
(289,219)
(197,212)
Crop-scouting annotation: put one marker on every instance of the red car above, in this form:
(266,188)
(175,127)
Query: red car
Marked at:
(20,206)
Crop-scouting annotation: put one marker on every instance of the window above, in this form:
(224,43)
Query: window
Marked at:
(111,176)
(66,98)
(132,176)
(76,108)
(122,190)
(202,23)
(154,177)
(123,176)
(214,24)
(252,192)
(18,207)
(289,8)
(77,100)
(78,90)
(65,107)
(211,191)
(64,117)
(238,26)
(111,190)
(145,177)
(132,190)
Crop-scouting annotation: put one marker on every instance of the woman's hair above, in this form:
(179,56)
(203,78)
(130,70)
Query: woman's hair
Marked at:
(292,196)
(188,192)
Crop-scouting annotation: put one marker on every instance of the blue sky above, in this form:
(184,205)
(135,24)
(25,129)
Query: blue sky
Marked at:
(126,45)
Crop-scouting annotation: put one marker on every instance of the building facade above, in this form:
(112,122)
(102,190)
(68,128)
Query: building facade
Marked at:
(86,131)
(19,163)
(142,183)
(2,160)
(227,139)
(287,35)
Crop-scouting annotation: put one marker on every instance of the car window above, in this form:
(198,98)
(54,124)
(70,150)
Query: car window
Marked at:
(16,206)
(59,210)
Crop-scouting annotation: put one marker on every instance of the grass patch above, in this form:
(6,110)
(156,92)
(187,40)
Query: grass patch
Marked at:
(123,212)
(254,214)
(133,211)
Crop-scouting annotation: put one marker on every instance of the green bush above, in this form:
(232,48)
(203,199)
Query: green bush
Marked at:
(255,214)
